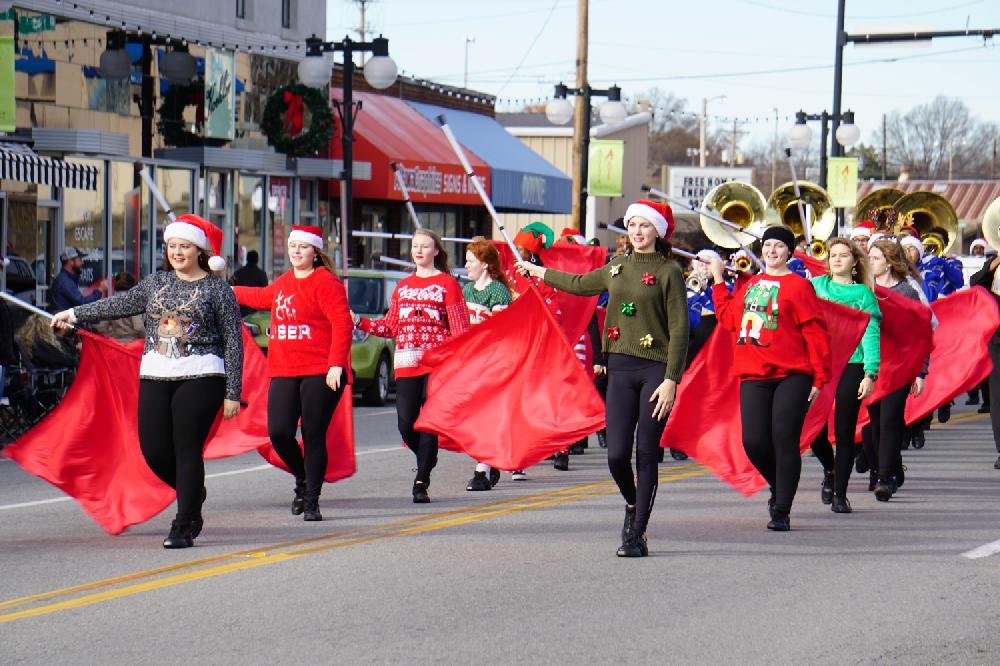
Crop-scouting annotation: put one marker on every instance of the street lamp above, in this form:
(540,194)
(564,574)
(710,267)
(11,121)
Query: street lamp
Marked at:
(380,73)
(559,112)
(847,134)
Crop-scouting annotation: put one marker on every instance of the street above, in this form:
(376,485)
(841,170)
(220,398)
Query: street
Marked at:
(524,573)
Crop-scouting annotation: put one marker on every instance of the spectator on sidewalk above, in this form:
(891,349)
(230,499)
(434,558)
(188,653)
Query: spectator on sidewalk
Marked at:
(65,291)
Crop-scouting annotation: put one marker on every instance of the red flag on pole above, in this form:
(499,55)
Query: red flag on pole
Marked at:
(705,422)
(510,391)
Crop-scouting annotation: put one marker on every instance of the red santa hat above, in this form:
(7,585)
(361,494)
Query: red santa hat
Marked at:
(911,241)
(864,228)
(202,233)
(571,236)
(307,234)
(660,214)
(909,229)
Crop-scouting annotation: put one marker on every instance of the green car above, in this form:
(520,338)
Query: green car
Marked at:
(369,293)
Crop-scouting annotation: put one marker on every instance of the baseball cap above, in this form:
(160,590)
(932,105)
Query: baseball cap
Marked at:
(68,253)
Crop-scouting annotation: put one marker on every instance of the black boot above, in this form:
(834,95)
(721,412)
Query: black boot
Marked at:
(629,525)
(944,413)
(884,490)
(918,438)
(298,504)
(420,495)
(561,461)
(310,507)
(197,522)
(826,492)
(180,535)
(478,482)
(779,521)
(840,504)
(634,545)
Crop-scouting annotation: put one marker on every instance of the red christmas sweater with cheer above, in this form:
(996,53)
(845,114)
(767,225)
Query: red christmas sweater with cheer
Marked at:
(308,315)
(423,313)
(780,326)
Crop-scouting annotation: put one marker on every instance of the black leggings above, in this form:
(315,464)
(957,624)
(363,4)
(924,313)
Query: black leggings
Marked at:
(411,393)
(845,423)
(887,426)
(773,411)
(175,417)
(288,399)
(631,382)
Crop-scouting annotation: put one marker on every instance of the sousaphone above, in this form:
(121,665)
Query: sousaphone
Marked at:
(991,224)
(934,218)
(823,219)
(740,203)
(877,206)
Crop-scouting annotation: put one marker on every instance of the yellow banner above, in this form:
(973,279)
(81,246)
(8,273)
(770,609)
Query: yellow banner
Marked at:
(604,167)
(842,181)
(8,122)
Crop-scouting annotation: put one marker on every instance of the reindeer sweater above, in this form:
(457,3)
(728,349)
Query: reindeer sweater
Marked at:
(193,329)
(310,328)
(423,313)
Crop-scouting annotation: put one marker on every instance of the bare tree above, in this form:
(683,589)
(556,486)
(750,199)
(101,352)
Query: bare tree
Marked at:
(938,140)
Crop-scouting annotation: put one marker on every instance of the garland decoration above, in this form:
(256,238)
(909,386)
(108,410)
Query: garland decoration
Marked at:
(297,120)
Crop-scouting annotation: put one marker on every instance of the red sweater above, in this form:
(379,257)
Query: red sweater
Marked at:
(308,315)
(423,313)
(781,328)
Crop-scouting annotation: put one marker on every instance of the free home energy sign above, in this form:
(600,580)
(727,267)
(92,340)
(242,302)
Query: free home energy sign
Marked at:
(693,183)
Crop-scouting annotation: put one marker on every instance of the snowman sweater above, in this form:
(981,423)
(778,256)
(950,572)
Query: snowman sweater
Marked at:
(424,312)
(780,326)
(310,329)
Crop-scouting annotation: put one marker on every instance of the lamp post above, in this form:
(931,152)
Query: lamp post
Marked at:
(380,73)
(559,112)
(846,134)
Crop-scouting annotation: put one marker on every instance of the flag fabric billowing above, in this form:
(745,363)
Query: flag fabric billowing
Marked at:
(816,267)
(510,391)
(88,446)
(904,341)
(705,422)
(960,358)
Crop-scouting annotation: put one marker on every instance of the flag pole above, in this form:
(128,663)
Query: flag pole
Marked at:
(475,183)
(806,220)
(406,195)
(28,306)
(144,172)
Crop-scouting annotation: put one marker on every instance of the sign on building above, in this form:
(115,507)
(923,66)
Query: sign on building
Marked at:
(693,183)
(220,94)
(604,167)
(842,181)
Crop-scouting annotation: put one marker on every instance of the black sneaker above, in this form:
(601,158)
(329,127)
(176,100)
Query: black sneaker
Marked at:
(420,495)
(826,492)
(561,461)
(479,482)
(944,413)
(299,502)
(180,535)
(494,476)
(918,438)
(780,522)
(633,546)
(310,511)
(840,504)
(984,408)
(678,455)
(883,491)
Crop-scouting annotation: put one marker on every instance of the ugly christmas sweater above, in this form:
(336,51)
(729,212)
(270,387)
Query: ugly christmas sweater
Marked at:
(423,313)
(486,302)
(311,323)
(647,307)
(781,328)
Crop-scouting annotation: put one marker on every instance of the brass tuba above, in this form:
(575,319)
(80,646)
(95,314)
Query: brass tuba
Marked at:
(784,203)
(991,224)
(877,206)
(740,203)
(934,218)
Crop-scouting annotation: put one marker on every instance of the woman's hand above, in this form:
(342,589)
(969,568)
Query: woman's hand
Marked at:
(527,268)
(813,392)
(664,398)
(600,370)
(717,269)
(230,408)
(333,377)
(918,387)
(63,320)
(865,388)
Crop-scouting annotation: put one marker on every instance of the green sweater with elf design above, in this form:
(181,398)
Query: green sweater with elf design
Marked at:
(647,307)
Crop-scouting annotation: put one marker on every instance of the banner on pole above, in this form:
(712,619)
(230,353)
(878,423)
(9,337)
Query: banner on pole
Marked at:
(842,181)
(220,94)
(8,118)
(605,167)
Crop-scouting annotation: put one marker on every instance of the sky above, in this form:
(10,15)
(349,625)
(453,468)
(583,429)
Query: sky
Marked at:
(770,58)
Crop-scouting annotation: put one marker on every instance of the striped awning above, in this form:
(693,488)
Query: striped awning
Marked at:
(19,162)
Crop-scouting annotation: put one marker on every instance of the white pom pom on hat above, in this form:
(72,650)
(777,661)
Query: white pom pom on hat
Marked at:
(202,233)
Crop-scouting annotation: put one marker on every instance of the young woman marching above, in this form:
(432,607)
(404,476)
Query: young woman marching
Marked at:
(426,309)
(783,360)
(191,366)
(309,354)
(891,269)
(486,295)
(849,283)
(646,338)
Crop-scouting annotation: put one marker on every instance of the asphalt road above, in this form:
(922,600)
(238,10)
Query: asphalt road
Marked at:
(524,573)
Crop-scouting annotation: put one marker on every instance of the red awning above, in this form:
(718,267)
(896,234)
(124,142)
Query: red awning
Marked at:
(388,130)
(969,198)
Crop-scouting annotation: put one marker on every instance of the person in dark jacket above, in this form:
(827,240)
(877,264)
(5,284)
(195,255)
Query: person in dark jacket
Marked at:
(989,278)
(65,290)
(250,275)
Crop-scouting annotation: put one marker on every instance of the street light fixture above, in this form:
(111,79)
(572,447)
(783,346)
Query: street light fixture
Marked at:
(380,73)
(559,112)
(847,134)
(115,62)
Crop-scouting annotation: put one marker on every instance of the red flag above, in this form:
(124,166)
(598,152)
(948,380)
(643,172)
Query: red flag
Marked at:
(705,422)
(510,392)
(904,341)
(816,267)
(88,445)
(960,358)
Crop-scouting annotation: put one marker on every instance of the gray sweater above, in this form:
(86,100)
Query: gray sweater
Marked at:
(193,329)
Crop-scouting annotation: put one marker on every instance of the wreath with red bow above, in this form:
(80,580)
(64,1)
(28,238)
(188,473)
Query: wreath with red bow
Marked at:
(297,120)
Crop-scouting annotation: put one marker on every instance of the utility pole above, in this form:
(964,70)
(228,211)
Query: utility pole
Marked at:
(581,123)
(363,28)
(469,39)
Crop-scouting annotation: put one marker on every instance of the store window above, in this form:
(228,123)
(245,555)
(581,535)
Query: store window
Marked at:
(126,221)
(249,220)
(279,211)
(83,220)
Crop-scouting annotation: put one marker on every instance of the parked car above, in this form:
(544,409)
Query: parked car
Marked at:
(369,293)
(20,278)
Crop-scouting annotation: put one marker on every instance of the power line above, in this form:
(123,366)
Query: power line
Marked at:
(531,46)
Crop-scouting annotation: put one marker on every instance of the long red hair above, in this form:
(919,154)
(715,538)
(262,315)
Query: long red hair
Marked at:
(486,252)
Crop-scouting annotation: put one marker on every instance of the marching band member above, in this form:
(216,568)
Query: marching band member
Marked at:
(308,354)
(485,295)
(989,278)
(849,283)
(891,269)
(646,337)
(782,358)
(426,309)
(861,233)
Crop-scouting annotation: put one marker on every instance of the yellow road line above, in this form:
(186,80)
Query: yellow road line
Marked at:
(118,587)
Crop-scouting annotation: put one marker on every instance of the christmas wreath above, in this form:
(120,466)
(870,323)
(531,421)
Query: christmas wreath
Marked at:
(297,120)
